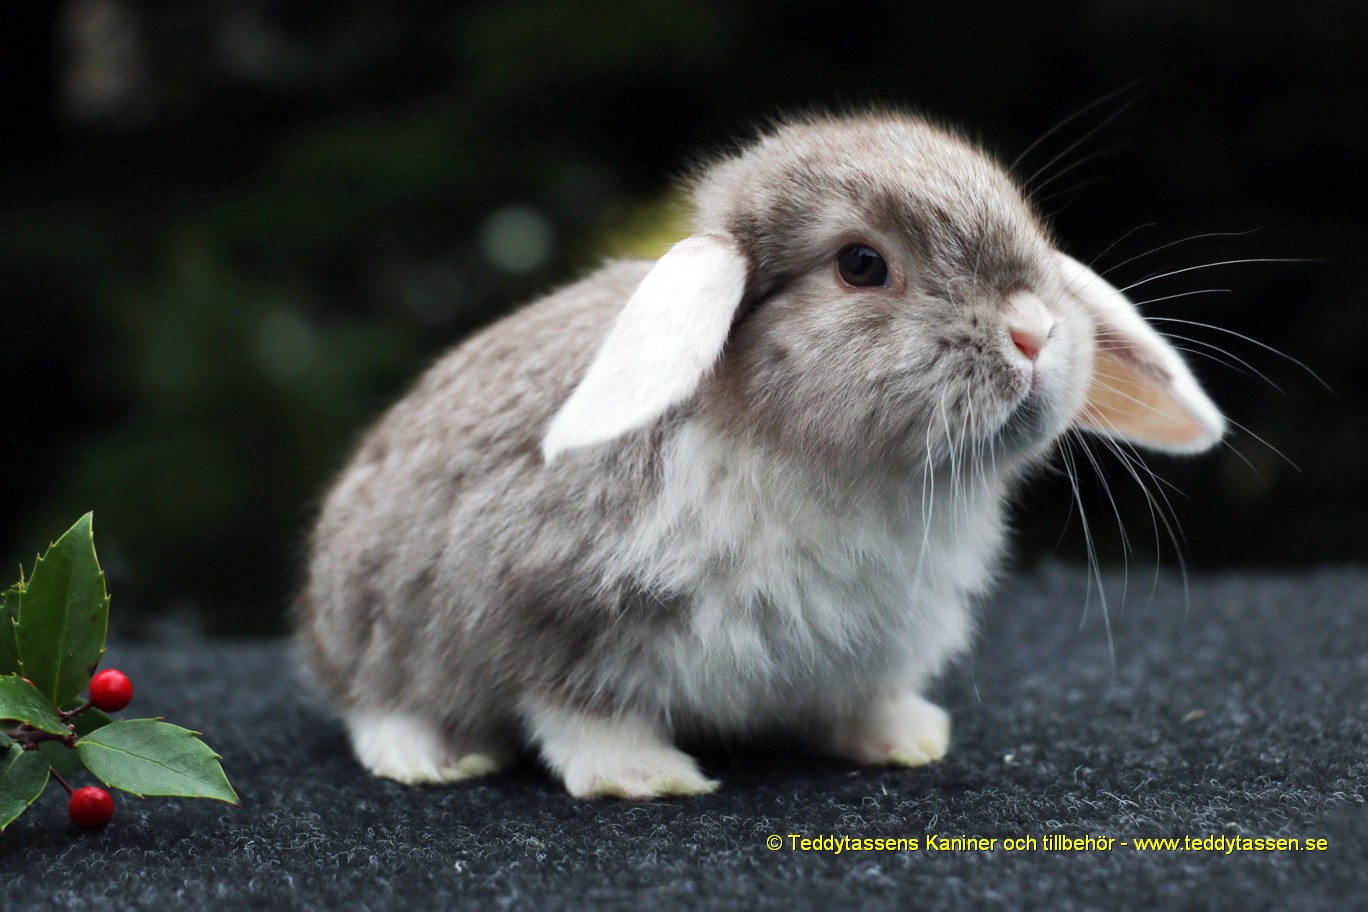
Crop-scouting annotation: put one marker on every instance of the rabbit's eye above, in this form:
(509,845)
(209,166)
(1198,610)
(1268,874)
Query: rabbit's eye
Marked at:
(861,266)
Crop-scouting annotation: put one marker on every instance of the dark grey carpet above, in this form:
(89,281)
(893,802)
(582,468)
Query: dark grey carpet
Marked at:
(1245,713)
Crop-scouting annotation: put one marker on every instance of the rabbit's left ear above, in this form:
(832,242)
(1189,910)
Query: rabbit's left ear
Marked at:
(1140,390)
(667,337)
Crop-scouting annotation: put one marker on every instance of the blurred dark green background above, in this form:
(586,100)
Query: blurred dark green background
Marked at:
(232,232)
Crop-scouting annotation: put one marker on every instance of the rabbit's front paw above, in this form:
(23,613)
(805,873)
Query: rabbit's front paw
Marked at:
(613,757)
(415,752)
(642,773)
(902,730)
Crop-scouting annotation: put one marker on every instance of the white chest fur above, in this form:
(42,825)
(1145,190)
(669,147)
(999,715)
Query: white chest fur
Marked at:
(805,598)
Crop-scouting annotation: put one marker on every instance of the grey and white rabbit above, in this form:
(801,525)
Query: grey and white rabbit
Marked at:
(753,486)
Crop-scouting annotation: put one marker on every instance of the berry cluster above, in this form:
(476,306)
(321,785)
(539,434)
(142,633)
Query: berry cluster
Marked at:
(52,638)
(92,807)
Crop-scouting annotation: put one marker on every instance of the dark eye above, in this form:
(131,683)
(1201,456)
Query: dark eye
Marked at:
(862,266)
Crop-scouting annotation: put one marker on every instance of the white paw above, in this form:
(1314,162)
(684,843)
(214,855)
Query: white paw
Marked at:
(618,758)
(412,751)
(650,773)
(903,730)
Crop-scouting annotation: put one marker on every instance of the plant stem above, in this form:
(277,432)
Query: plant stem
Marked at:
(68,716)
(26,736)
(62,782)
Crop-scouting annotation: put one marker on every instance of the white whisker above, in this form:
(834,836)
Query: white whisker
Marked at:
(1081,140)
(1070,119)
(1174,272)
(1263,345)
(1092,558)
(1182,240)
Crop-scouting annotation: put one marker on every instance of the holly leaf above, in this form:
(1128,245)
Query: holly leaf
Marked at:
(63,615)
(20,701)
(151,757)
(65,760)
(23,776)
(9,647)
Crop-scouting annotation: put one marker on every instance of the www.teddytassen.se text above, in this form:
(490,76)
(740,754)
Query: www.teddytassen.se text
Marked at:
(1221,844)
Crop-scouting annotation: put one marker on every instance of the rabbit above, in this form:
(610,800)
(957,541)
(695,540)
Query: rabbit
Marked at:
(755,486)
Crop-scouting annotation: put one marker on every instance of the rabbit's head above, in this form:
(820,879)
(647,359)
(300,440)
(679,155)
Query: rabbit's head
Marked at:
(874,291)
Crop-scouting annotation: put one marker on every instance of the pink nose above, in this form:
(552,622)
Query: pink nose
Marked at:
(1028,343)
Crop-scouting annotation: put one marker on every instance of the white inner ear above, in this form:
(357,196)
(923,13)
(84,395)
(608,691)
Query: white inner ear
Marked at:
(1140,390)
(667,337)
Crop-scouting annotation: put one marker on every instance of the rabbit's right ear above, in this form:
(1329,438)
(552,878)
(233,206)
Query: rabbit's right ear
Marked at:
(1140,391)
(662,344)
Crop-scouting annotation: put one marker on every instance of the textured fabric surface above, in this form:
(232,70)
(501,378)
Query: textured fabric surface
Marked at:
(1240,710)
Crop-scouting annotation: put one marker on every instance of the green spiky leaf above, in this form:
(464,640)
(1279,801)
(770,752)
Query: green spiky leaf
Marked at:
(63,615)
(151,757)
(23,776)
(20,701)
(9,648)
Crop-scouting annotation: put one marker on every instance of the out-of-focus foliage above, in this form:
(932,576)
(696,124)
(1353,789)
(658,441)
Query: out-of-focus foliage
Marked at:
(232,231)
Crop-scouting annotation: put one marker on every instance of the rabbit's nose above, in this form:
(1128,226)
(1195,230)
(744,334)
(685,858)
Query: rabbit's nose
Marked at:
(1028,343)
(1028,324)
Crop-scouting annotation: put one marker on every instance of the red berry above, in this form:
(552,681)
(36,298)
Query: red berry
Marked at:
(90,807)
(111,690)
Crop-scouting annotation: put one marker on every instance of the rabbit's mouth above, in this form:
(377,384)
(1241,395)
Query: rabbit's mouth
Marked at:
(1032,422)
